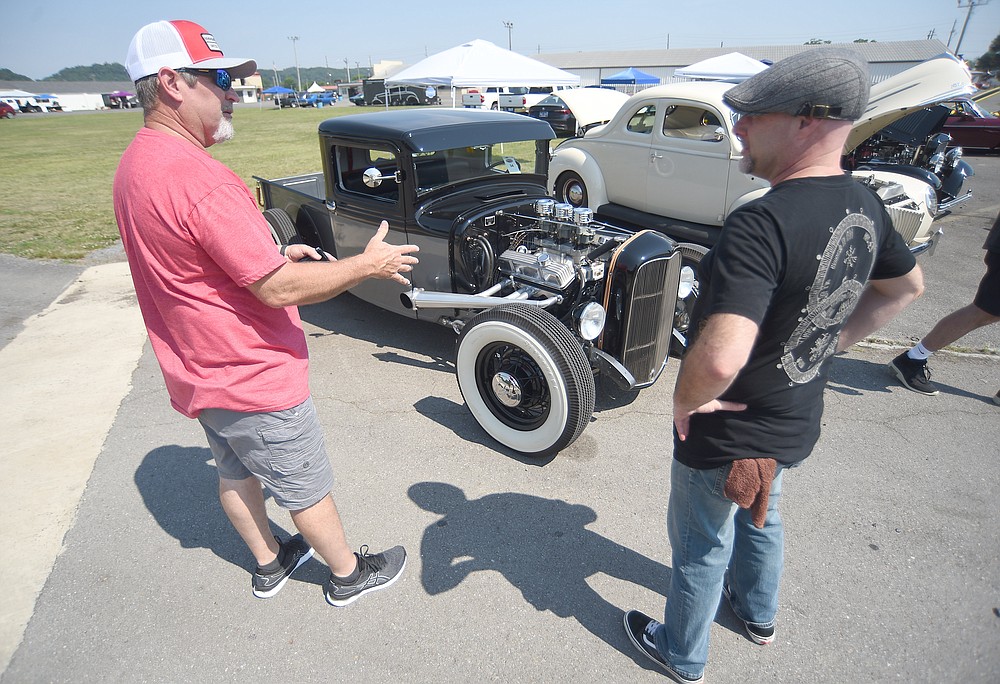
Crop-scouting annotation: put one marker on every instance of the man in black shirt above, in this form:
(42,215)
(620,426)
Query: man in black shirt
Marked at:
(805,271)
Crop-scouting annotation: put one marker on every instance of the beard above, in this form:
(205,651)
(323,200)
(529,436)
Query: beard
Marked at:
(224,132)
(746,164)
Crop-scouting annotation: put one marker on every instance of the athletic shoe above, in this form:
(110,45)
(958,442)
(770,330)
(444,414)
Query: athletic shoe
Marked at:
(915,375)
(996,398)
(640,629)
(760,635)
(377,571)
(293,553)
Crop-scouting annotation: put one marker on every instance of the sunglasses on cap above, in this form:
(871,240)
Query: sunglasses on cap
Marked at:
(222,77)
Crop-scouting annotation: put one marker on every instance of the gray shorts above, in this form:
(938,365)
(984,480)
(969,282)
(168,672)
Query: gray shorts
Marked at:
(285,450)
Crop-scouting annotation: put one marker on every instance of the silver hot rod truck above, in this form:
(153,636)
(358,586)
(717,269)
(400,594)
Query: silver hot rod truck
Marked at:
(542,296)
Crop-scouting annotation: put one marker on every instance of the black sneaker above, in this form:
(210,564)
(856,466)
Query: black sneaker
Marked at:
(378,571)
(915,375)
(996,398)
(640,629)
(296,551)
(760,635)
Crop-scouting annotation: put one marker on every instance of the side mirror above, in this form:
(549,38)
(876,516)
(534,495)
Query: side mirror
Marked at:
(373,177)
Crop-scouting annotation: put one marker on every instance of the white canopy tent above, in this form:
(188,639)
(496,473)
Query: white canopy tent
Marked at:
(733,67)
(315,88)
(480,63)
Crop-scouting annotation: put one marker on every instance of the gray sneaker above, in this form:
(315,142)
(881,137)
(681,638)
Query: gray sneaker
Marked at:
(377,571)
(293,554)
(915,375)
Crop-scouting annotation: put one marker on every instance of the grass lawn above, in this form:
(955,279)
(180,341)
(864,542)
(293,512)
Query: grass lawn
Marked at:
(58,169)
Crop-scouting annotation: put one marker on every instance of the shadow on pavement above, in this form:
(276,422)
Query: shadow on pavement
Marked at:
(852,377)
(541,546)
(180,487)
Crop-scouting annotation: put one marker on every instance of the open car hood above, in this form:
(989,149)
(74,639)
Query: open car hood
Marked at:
(938,79)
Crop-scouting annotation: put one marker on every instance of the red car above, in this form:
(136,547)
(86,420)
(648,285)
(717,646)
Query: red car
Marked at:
(972,128)
(6,111)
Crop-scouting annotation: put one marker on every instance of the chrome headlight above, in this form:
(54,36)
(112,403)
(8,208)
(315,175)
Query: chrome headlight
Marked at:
(931,201)
(589,320)
(686,284)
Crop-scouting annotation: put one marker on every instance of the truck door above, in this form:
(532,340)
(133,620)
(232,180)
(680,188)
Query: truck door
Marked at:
(357,208)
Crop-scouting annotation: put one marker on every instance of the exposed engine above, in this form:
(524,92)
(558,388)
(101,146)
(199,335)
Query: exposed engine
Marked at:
(914,146)
(553,248)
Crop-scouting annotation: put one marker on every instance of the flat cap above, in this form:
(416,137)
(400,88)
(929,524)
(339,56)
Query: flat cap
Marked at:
(825,83)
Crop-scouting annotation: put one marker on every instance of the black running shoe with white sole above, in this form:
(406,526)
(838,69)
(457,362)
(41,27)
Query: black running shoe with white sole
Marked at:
(377,571)
(640,629)
(293,553)
(759,635)
(915,375)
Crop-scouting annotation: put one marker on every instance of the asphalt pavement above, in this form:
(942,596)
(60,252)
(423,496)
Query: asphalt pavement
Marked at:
(518,570)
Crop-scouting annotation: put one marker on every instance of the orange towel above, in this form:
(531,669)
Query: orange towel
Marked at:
(749,485)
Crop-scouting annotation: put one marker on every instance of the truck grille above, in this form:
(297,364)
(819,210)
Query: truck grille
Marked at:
(905,221)
(650,319)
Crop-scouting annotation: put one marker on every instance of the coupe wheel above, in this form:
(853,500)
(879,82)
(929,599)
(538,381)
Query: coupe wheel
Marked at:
(571,189)
(525,379)
(691,256)
(282,228)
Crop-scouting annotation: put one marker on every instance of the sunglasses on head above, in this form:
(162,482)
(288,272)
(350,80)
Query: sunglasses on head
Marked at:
(222,77)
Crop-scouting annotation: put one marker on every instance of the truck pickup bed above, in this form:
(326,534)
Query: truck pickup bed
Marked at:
(520,99)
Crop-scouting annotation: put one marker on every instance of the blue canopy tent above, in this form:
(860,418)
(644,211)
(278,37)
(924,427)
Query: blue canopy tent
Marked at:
(631,76)
(278,90)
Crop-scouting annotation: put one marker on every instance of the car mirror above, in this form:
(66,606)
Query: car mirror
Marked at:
(373,177)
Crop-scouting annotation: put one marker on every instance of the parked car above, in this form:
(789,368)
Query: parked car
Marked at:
(521,99)
(286,100)
(972,127)
(572,112)
(542,297)
(6,111)
(669,158)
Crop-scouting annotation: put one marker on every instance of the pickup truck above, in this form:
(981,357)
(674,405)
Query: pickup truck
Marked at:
(521,99)
(484,98)
(543,298)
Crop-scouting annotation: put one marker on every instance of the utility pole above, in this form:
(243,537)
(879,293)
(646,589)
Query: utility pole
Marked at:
(298,75)
(971,4)
(348,65)
(509,25)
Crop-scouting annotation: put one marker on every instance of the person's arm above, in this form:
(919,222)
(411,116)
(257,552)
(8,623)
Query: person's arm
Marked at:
(294,284)
(880,301)
(710,366)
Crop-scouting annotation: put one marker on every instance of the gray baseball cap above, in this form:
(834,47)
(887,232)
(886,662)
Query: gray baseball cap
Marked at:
(823,83)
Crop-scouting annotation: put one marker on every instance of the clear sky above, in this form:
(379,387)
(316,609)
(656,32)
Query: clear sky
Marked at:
(40,37)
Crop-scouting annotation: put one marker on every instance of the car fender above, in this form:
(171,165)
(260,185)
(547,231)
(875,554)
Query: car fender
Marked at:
(574,159)
(743,199)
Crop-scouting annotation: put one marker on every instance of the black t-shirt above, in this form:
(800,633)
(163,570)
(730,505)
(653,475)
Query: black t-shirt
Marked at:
(795,262)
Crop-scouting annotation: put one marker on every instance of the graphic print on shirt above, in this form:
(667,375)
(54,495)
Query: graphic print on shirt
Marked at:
(843,270)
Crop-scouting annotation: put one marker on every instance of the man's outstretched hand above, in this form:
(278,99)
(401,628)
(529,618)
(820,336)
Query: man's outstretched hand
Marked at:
(390,261)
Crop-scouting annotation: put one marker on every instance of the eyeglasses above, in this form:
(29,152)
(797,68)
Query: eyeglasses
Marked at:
(222,77)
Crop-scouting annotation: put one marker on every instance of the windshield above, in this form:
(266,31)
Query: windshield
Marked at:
(444,167)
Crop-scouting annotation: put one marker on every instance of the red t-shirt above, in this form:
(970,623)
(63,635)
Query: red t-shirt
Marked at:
(194,240)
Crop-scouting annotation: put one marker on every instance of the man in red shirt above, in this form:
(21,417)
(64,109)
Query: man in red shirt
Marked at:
(218,300)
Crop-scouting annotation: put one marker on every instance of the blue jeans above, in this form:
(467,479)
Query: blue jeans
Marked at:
(709,534)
